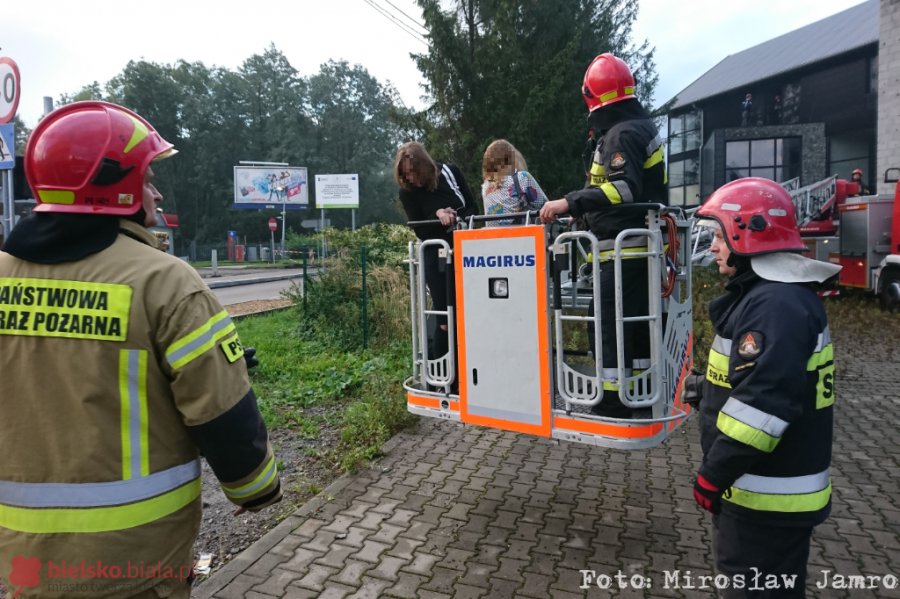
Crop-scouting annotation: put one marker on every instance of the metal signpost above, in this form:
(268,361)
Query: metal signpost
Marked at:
(273,224)
(283,195)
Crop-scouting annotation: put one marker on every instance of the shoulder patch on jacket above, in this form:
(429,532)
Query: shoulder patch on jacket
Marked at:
(232,349)
(750,344)
(617,161)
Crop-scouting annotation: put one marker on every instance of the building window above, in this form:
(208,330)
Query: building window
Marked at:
(777,159)
(684,183)
(873,75)
(790,104)
(849,151)
(684,133)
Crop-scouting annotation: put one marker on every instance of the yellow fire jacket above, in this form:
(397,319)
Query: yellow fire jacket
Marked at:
(118,371)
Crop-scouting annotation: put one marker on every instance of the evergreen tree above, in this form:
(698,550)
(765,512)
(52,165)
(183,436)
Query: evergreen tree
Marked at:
(513,69)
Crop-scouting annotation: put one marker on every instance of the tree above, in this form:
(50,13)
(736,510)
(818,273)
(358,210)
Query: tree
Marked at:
(341,120)
(513,69)
(21,132)
(355,134)
(273,96)
(92,91)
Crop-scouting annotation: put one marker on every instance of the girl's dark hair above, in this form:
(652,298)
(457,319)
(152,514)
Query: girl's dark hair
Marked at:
(420,162)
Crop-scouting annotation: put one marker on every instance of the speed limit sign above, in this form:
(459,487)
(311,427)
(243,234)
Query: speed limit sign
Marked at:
(9,89)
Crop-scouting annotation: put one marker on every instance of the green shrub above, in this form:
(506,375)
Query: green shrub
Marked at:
(331,312)
(385,244)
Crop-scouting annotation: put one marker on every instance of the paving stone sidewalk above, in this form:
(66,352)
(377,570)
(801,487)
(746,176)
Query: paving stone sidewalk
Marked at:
(454,512)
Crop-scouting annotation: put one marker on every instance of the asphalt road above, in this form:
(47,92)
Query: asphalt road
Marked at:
(255,291)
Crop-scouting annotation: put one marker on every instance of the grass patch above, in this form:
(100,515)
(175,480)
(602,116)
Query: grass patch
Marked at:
(295,373)
(314,372)
(362,388)
(379,412)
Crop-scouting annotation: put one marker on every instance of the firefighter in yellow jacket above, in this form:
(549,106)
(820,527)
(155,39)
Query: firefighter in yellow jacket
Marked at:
(119,369)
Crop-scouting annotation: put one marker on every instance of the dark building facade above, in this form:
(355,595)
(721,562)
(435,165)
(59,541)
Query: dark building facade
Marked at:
(813,112)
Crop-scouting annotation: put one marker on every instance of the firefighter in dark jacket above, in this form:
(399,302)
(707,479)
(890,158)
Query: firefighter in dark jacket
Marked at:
(767,401)
(628,167)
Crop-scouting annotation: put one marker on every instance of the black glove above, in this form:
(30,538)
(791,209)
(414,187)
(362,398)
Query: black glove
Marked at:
(707,495)
(250,357)
(692,388)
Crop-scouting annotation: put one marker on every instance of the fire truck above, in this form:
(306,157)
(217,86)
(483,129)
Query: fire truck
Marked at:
(519,356)
(861,233)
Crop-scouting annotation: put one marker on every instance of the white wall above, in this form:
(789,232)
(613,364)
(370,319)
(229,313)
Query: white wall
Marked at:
(888,92)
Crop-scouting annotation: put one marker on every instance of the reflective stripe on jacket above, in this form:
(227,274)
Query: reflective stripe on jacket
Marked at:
(628,167)
(117,367)
(766,415)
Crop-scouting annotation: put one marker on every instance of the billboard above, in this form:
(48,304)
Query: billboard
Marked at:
(257,187)
(337,191)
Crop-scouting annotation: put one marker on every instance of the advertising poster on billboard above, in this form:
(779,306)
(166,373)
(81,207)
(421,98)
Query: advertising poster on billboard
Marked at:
(337,191)
(257,187)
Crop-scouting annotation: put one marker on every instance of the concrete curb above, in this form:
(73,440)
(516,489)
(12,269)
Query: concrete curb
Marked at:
(261,312)
(213,284)
(222,577)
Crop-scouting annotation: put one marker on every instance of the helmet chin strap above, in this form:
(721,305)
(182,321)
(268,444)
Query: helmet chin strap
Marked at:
(600,120)
(739,263)
(139,217)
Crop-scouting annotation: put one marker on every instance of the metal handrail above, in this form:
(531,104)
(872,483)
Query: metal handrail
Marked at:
(447,363)
(574,387)
(650,376)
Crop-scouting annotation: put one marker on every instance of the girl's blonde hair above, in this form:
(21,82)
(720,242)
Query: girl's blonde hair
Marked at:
(501,159)
(420,163)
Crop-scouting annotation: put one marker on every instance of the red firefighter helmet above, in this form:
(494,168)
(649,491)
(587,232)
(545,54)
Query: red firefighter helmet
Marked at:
(607,80)
(856,171)
(756,216)
(90,158)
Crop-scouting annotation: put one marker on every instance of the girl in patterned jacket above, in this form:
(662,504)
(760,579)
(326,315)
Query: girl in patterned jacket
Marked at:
(508,187)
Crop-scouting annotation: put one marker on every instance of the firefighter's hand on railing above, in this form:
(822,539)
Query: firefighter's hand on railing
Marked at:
(552,209)
(692,389)
(447,216)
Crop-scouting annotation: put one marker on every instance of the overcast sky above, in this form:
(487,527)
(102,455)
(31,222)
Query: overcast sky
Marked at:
(61,45)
